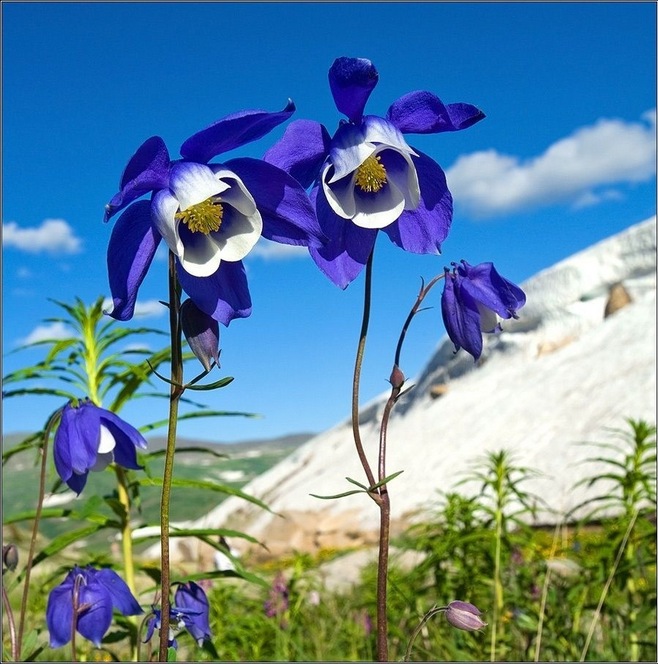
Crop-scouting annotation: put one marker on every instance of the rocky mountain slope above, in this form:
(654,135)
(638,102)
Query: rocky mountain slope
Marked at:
(580,360)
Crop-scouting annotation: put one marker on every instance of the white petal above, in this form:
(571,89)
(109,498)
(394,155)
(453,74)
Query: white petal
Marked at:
(381,209)
(340,195)
(236,193)
(379,131)
(107,442)
(488,318)
(193,183)
(406,181)
(242,233)
(200,255)
(102,461)
(163,213)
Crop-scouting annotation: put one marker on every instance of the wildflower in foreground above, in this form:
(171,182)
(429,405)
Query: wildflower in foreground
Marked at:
(209,215)
(90,438)
(190,612)
(464,615)
(98,591)
(473,298)
(366,177)
(201,332)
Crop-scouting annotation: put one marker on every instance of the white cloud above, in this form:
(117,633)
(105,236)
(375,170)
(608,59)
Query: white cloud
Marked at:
(145,309)
(274,251)
(609,152)
(54,236)
(56,330)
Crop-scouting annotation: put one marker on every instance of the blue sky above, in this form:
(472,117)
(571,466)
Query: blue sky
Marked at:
(565,157)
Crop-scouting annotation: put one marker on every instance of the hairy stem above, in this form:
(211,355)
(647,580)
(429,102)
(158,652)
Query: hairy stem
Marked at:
(35,527)
(175,394)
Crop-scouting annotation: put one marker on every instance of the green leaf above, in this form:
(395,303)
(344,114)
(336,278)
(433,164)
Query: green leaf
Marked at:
(339,495)
(223,382)
(211,486)
(195,414)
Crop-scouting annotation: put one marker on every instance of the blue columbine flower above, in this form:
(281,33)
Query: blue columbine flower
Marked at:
(99,591)
(209,215)
(190,612)
(90,438)
(366,177)
(473,298)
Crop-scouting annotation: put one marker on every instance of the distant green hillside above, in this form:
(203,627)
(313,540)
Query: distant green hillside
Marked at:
(244,461)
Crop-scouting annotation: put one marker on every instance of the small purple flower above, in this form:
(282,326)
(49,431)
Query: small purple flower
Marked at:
(366,177)
(99,591)
(201,332)
(464,615)
(279,598)
(191,600)
(190,612)
(209,215)
(90,438)
(473,298)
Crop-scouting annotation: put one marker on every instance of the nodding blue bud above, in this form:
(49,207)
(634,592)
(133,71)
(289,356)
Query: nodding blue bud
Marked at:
(463,615)
(201,332)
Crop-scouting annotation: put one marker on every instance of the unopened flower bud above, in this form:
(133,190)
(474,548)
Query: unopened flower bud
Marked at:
(9,557)
(201,332)
(463,615)
(397,377)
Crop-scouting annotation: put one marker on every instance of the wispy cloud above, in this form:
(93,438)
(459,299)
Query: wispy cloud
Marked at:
(54,236)
(275,251)
(56,330)
(143,309)
(608,153)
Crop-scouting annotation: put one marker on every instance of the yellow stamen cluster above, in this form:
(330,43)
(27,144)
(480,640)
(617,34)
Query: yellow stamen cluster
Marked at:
(371,175)
(204,217)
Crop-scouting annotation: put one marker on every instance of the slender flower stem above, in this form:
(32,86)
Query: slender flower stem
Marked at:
(12,625)
(175,394)
(357,376)
(432,612)
(35,527)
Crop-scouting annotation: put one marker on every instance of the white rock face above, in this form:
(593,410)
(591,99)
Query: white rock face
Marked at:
(561,374)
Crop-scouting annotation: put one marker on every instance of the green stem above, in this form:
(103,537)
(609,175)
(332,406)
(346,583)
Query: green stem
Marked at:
(357,375)
(127,543)
(175,394)
(35,528)
(498,586)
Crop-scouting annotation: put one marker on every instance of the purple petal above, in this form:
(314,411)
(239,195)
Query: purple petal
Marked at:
(351,81)
(232,132)
(223,295)
(126,437)
(147,170)
(201,332)
(422,112)
(94,621)
(486,286)
(131,249)
(421,231)
(191,597)
(59,612)
(461,317)
(288,215)
(301,150)
(76,444)
(122,599)
(349,246)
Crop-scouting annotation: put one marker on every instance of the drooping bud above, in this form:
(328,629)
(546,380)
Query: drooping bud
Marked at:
(201,332)
(397,378)
(9,557)
(464,615)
